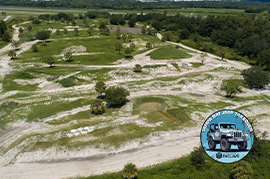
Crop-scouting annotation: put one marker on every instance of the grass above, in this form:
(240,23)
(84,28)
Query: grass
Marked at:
(176,66)
(168,52)
(9,84)
(196,65)
(41,111)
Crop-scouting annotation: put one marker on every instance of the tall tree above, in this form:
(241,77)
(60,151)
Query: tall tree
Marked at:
(118,46)
(124,37)
(49,60)
(76,31)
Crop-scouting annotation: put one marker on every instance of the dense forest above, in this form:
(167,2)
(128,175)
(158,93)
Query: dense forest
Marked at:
(134,5)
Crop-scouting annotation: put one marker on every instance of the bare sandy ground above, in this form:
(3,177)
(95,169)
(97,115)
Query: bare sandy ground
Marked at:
(166,147)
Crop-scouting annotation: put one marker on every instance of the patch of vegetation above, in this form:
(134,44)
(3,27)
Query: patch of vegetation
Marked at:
(176,66)
(169,52)
(196,65)
(69,81)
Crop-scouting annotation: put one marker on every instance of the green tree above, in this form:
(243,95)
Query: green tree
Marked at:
(100,87)
(65,31)
(6,37)
(68,56)
(35,22)
(168,35)
(107,31)
(132,46)
(263,59)
(148,45)
(232,86)
(20,30)
(29,27)
(49,60)
(73,22)
(20,36)
(143,29)
(116,95)
(76,31)
(12,54)
(67,22)
(118,46)
(132,22)
(118,34)
(90,30)
(124,37)
(118,29)
(97,106)
(58,32)
(256,76)
(137,68)
(157,25)
(130,171)
(129,38)
(102,25)
(241,170)
(34,48)
(42,35)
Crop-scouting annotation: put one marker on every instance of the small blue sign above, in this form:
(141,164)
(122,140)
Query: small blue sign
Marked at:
(227,136)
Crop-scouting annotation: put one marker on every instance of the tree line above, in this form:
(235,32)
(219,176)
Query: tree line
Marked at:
(134,5)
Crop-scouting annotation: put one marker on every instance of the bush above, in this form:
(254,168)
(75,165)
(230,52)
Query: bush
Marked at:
(256,77)
(116,95)
(6,37)
(97,107)
(137,68)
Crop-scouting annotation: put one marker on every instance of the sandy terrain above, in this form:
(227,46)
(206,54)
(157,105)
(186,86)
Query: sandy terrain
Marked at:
(155,149)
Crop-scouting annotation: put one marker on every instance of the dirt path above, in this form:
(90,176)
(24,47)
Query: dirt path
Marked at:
(176,145)
(7,18)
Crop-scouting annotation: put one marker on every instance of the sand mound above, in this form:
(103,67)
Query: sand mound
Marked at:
(75,48)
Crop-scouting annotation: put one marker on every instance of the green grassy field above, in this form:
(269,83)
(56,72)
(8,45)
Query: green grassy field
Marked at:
(168,53)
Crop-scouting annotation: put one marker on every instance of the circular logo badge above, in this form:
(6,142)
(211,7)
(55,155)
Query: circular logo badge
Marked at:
(227,136)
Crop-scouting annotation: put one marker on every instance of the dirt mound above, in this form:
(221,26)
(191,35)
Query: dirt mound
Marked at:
(150,106)
(75,48)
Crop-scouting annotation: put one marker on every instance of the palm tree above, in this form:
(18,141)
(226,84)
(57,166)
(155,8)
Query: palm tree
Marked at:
(58,31)
(124,37)
(118,29)
(241,170)
(20,36)
(107,31)
(89,31)
(118,34)
(132,46)
(29,27)
(129,38)
(12,54)
(76,31)
(130,171)
(65,31)
(34,48)
(20,30)
(118,46)
(68,56)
